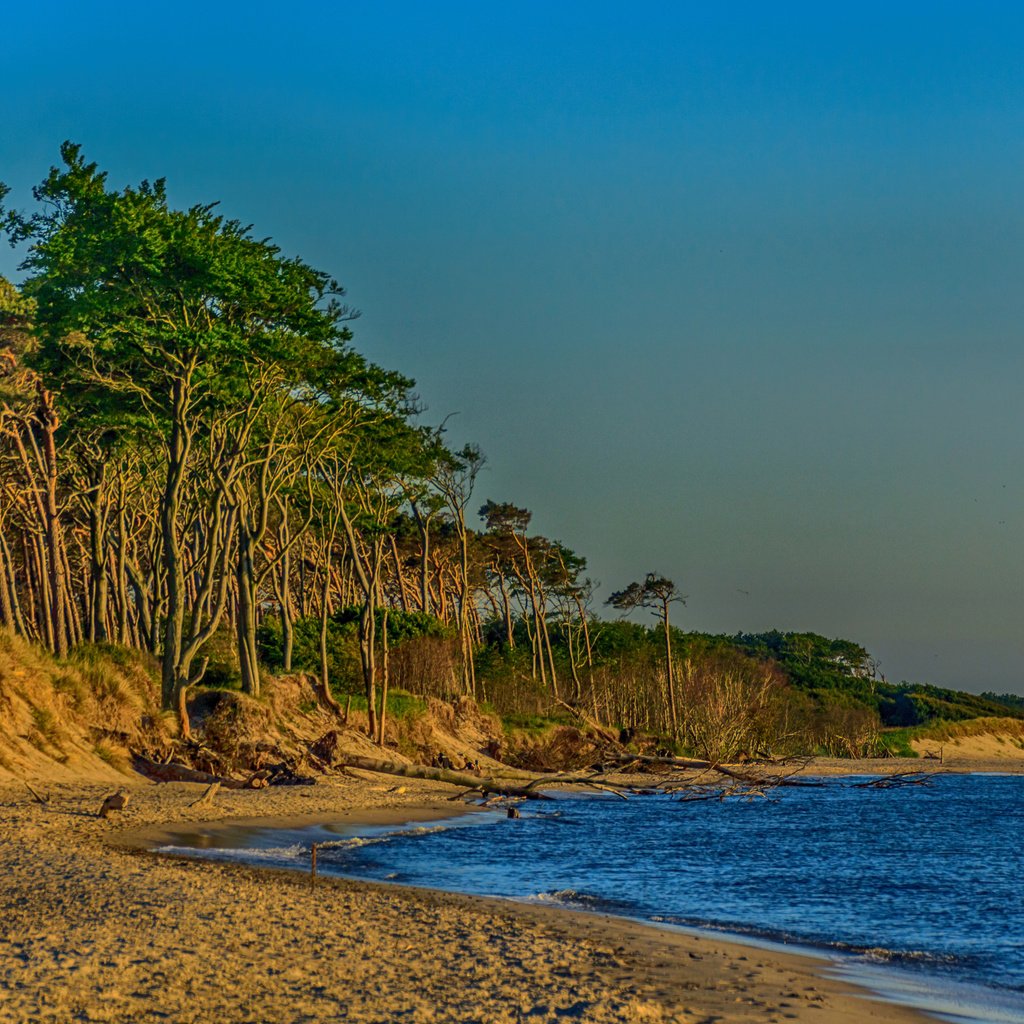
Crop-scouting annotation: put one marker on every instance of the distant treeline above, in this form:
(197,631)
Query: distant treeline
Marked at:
(195,462)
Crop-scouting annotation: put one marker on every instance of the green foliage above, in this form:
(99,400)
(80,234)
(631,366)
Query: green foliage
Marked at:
(1013,701)
(46,724)
(223,671)
(132,293)
(402,626)
(532,724)
(343,664)
(811,661)
(400,704)
(653,592)
(896,743)
(343,667)
(839,673)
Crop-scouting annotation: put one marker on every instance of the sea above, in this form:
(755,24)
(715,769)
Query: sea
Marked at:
(914,891)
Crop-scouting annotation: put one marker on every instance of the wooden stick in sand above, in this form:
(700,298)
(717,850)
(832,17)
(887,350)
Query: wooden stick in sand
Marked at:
(44,800)
(207,798)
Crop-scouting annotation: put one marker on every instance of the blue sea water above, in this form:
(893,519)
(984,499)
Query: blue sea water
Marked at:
(924,880)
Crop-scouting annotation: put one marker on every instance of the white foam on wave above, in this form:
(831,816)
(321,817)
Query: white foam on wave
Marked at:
(564,897)
(271,853)
(354,842)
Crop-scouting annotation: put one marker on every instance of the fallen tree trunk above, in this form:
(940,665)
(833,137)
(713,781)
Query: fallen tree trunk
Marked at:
(452,778)
(751,778)
(173,772)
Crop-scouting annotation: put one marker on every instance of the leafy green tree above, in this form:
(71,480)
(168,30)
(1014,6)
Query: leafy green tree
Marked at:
(657,592)
(157,318)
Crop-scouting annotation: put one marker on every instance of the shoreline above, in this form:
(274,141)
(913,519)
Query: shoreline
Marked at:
(97,930)
(887,982)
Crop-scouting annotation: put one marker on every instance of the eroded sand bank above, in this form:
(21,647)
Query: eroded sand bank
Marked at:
(95,931)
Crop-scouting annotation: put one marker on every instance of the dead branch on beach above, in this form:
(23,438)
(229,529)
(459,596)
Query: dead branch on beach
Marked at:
(114,802)
(530,786)
(172,771)
(207,798)
(44,800)
(748,776)
(421,771)
(694,794)
(898,779)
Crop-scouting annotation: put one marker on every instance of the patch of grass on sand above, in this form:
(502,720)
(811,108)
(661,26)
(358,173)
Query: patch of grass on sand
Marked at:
(1002,728)
(46,725)
(896,742)
(532,724)
(400,703)
(114,758)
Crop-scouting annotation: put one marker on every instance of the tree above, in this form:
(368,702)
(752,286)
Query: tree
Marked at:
(455,478)
(153,319)
(526,557)
(656,592)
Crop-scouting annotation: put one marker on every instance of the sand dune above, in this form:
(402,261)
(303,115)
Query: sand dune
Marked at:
(984,752)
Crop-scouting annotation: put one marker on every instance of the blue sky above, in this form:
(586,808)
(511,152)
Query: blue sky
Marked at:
(727,291)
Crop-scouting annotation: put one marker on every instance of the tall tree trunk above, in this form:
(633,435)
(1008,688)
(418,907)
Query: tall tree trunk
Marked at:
(324,680)
(385,680)
(122,569)
(44,591)
(506,606)
(465,636)
(8,595)
(32,631)
(48,420)
(403,601)
(670,675)
(178,451)
(245,616)
(368,657)
(96,629)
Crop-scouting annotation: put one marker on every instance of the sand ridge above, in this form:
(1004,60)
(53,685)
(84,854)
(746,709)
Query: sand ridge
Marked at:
(96,931)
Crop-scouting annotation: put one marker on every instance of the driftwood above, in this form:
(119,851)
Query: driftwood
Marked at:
(171,771)
(898,779)
(748,777)
(207,798)
(44,800)
(324,750)
(114,802)
(452,778)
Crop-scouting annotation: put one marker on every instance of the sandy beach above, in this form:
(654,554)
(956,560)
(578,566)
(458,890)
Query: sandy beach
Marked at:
(96,928)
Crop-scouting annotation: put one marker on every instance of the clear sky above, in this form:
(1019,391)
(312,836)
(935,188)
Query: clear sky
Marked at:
(728,291)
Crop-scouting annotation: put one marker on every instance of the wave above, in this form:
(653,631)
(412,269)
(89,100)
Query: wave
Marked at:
(299,851)
(582,900)
(356,842)
(879,954)
(268,853)
(565,897)
(935,960)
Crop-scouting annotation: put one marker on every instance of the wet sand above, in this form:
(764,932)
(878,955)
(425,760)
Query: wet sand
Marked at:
(93,927)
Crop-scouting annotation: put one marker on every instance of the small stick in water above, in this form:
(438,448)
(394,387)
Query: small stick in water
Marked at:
(312,867)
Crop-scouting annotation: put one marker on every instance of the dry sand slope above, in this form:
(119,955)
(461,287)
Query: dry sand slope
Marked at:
(90,931)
